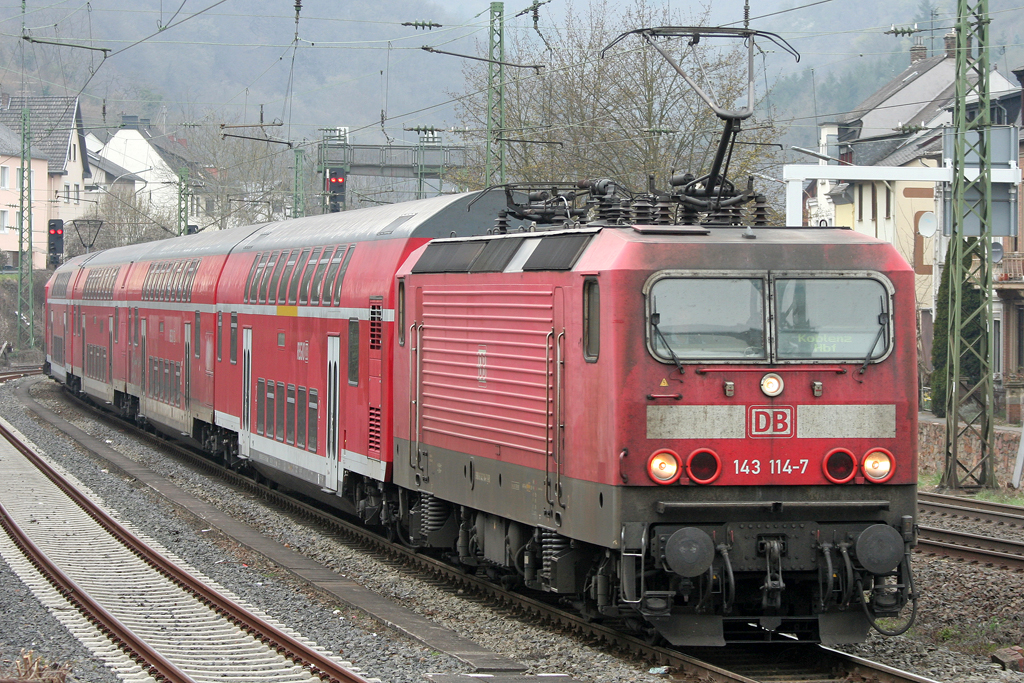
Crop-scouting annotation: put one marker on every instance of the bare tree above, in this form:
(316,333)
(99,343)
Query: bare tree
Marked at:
(624,117)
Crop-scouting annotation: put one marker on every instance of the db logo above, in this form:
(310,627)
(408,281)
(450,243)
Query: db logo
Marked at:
(770,421)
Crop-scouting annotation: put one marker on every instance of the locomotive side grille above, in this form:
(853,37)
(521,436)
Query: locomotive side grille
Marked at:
(376,325)
(487,367)
(374,432)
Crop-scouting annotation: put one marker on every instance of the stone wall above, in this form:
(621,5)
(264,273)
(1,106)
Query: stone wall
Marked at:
(931,448)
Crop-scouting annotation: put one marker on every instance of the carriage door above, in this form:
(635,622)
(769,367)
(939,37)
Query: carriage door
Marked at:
(555,496)
(143,361)
(110,352)
(65,357)
(186,366)
(333,380)
(243,438)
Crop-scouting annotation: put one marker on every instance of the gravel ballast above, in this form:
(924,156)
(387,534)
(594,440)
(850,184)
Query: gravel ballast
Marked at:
(961,604)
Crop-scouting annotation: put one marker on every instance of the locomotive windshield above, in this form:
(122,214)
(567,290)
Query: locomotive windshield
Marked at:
(819,318)
(723,318)
(708,318)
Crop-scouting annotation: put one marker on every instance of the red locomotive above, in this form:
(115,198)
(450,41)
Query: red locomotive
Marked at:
(674,416)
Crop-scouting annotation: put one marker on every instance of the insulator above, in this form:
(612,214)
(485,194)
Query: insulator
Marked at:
(551,545)
(760,211)
(501,223)
(643,211)
(663,212)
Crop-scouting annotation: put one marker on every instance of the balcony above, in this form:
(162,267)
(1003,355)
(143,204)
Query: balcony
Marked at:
(1008,274)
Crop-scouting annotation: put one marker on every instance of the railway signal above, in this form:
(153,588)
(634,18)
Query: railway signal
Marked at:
(55,242)
(336,178)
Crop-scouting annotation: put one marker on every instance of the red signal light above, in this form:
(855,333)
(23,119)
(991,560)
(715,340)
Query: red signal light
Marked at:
(338,180)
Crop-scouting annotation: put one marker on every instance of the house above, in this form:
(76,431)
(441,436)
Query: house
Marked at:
(56,132)
(158,161)
(10,195)
(900,126)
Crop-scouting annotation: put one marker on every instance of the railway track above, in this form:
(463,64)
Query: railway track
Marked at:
(171,624)
(801,662)
(988,550)
(16,372)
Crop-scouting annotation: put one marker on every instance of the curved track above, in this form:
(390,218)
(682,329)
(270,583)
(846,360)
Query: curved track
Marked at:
(801,662)
(173,625)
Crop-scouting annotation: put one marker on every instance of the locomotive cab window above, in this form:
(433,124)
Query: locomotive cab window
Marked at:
(710,318)
(591,320)
(400,304)
(823,318)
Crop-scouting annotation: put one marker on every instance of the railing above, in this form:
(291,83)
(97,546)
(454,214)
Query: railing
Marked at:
(1010,268)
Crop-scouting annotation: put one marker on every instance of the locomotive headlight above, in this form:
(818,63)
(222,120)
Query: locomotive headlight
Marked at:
(772,384)
(878,465)
(664,467)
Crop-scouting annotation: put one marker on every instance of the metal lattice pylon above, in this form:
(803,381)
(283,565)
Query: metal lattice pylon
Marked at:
(26,311)
(299,185)
(969,395)
(182,201)
(495,162)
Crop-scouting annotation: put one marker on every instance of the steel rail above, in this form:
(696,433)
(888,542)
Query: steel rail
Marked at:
(273,637)
(151,661)
(355,534)
(972,508)
(973,547)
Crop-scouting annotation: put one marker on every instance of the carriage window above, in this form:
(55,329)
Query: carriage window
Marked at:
(831,318)
(591,320)
(261,404)
(328,288)
(300,416)
(268,271)
(233,345)
(289,430)
(308,275)
(293,284)
(117,324)
(275,279)
(253,286)
(193,268)
(353,351)
(270,410)
(196,342)
(220,331)
(341,276)
(318,276)
(707,318)
(282,292)
(313,426)
(279,428)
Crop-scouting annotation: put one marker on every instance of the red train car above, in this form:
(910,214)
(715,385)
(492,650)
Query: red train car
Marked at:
(702,432)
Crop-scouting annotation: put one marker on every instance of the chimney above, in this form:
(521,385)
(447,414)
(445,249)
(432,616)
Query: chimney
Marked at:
(918,51)
(950,40)
(129,122)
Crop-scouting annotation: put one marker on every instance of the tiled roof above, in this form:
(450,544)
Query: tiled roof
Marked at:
(912,73)
(10,144)
(52,121)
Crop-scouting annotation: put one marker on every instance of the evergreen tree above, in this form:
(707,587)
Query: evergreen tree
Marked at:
(970,366)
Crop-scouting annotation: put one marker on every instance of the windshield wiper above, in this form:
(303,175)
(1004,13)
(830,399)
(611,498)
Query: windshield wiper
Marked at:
(882,319)
(655,319)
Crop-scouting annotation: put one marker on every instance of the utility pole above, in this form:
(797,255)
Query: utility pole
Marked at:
(970,261)
(495,164)
(298,186)
(182,200)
